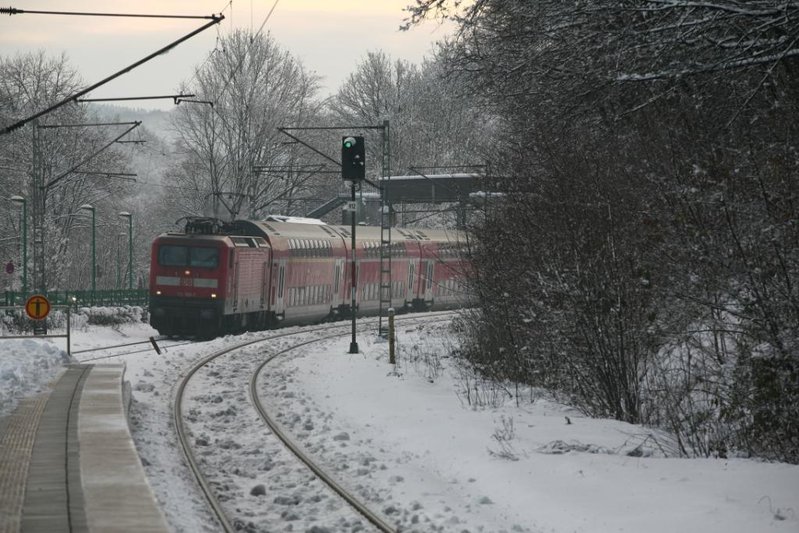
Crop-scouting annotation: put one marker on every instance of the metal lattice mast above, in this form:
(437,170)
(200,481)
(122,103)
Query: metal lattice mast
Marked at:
(385,235)
(38,213)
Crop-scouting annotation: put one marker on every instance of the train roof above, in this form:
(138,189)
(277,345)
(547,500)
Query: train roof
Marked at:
(287,228)
(198,236)
(271,227)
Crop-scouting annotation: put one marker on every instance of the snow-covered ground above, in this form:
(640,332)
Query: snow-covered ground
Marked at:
(411,441)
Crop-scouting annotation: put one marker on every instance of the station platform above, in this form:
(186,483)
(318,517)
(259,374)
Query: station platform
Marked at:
(68,463)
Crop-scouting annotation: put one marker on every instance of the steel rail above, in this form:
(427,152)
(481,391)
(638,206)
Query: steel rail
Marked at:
(180,429)
(373,518)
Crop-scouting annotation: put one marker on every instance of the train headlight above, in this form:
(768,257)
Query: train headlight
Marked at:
(213,295)
(188,272)
(158,293)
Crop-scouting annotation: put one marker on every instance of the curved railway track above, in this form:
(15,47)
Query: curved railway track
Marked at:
(325,333)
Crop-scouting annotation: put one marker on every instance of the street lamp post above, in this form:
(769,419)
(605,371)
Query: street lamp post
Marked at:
(22,200)
(88,207)
(118,284)
(129,216)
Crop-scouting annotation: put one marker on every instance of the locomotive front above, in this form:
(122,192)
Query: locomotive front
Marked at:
(187,283)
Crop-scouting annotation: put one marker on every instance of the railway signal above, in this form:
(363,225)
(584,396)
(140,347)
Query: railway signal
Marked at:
(353,158)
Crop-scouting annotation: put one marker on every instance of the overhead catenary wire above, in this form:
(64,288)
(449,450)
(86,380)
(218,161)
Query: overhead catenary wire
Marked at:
(15,11)
(235,70)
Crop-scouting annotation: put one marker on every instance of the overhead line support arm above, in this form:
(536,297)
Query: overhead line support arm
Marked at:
(86,160)
(216,19)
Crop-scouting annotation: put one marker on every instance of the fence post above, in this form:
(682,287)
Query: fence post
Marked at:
(69,325)
(391,357)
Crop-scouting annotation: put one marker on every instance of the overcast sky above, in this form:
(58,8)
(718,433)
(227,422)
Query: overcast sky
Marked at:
(328,36)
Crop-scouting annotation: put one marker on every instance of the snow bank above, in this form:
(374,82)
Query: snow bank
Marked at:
(26,367)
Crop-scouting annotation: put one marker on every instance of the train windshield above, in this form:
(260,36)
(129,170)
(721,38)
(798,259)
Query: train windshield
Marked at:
(188,256)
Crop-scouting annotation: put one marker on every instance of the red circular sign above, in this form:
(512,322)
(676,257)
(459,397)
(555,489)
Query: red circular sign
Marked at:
(37,307)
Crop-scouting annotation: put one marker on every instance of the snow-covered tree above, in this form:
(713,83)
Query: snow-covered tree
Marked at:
(255,87)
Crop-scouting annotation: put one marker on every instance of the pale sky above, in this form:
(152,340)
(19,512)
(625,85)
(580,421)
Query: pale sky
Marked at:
(328,36)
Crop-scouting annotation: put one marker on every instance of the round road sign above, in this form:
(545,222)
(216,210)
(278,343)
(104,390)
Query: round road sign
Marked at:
(37,307)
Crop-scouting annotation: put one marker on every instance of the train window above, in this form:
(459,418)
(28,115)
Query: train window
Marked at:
(203,257)
(336,278)
(280,282)
(183,256)
(429,274)
(169,255)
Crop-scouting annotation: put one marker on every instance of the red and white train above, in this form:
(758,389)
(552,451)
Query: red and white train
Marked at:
(216,278)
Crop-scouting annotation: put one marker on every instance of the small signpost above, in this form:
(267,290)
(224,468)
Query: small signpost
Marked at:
(38,307)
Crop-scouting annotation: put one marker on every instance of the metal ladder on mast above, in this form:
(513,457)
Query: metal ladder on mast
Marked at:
(385,238)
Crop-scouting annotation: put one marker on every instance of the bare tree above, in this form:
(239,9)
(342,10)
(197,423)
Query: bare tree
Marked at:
(28,83)
(255,88)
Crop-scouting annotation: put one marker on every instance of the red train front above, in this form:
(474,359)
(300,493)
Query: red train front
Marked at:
(204,282)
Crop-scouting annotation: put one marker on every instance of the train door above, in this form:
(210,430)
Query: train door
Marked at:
(410,292)
(338,283)
(236,278)
(266,284)
(427,289)
(281,287)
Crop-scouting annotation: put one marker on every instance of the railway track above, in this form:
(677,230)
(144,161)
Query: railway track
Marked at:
(255,367)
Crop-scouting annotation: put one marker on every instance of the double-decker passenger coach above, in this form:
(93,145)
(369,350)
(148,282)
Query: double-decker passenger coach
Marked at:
(218,277)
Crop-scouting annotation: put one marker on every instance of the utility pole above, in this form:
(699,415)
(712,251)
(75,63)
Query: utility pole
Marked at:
(24,201)
(88,207)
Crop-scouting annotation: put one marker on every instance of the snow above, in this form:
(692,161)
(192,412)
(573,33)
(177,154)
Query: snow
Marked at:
(409,439)
(416,177)
(296,220)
